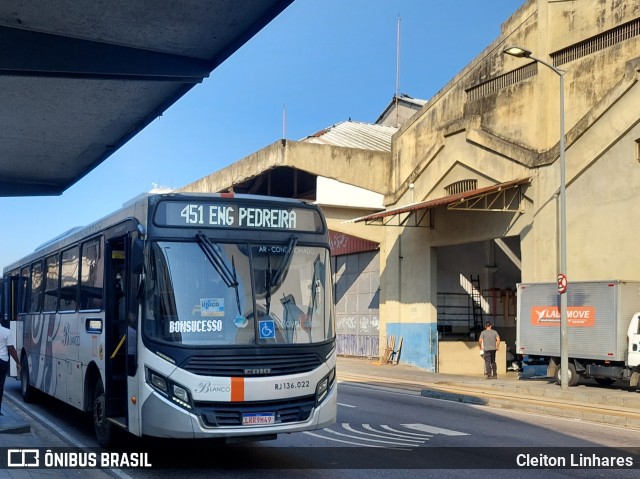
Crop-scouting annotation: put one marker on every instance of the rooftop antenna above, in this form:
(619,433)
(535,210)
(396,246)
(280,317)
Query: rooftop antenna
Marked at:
(397,72)
(284,121)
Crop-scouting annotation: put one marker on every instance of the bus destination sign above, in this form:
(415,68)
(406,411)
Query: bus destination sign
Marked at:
(236,215)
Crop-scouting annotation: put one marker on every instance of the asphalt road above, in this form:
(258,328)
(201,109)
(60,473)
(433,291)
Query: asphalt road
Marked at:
(388,432)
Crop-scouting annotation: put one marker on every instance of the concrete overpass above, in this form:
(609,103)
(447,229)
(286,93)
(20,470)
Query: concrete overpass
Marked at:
(79,79)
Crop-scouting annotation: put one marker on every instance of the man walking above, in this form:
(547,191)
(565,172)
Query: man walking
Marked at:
(7,347)
(490,343)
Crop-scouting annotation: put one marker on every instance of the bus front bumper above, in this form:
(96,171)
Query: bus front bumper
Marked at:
(161,418)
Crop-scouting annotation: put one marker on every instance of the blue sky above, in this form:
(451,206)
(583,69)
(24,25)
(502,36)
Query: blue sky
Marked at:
(323,60)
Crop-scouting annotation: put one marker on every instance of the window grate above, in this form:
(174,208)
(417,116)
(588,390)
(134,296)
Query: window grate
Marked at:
(597,43)
(461,186)
(503,81)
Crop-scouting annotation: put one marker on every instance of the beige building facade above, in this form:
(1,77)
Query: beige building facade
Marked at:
(470,184)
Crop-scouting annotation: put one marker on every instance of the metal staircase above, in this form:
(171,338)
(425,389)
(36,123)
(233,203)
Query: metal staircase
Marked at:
(476,307)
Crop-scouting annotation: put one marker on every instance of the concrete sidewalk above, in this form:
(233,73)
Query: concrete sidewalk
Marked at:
(11,422)
(20,431)
(613,405)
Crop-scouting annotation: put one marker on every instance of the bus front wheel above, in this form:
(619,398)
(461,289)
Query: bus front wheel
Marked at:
(102,427)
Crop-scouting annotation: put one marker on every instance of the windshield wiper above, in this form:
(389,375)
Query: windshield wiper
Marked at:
(228,274)
(284,264)
(267,286)
(318,277)
(274,279)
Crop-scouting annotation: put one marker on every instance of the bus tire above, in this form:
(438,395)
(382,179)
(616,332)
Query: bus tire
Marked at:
(26,390)
(102,427)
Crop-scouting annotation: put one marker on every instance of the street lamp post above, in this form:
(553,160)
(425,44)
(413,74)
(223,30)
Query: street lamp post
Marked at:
(562,275)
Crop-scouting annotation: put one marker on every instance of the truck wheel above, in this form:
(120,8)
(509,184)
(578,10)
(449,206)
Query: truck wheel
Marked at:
(572,377)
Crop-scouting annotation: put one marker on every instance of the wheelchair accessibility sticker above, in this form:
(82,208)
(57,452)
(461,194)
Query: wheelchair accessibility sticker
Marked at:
(267,329)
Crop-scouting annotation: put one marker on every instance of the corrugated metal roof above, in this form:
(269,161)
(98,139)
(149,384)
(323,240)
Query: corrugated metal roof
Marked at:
(343,243)
(353,134)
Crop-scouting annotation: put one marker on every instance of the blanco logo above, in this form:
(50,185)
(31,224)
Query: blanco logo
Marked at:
(23,457)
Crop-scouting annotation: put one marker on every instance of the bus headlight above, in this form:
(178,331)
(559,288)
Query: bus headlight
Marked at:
(172,391)
(325,385)
(158,382)
(181,393)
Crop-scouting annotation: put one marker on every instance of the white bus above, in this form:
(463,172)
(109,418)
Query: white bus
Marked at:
(183,316)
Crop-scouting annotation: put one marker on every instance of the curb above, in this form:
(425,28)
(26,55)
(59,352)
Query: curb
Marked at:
(551,406)
(11,422)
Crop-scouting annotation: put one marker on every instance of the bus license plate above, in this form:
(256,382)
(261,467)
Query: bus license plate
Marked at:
(252,419)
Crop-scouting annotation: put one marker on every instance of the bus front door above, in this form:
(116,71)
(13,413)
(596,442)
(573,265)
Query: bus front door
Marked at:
(117,305)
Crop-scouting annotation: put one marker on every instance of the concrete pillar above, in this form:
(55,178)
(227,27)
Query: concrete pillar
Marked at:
(409,295)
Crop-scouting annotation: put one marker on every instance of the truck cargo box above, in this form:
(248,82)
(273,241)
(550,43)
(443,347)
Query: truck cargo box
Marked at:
(598,316)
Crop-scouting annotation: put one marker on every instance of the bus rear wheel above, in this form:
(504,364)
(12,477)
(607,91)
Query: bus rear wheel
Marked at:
(102,427)
(26,390)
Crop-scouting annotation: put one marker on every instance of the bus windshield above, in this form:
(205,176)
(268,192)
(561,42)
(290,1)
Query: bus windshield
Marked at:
(203,293)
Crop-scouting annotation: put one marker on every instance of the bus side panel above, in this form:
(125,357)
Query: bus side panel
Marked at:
(58,350)
(133,409)
(91,330)
(66,351)
(15,328)
(40,331)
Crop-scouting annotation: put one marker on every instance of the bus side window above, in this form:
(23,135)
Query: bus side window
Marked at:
(92,274)
(35,305)
(69,280)
(52,266)
(24,288)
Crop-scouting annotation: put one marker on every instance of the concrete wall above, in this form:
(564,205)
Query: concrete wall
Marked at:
(363,168)
(459,357)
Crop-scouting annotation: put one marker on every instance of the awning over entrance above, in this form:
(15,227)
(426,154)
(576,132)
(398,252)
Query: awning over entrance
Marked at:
(503,197)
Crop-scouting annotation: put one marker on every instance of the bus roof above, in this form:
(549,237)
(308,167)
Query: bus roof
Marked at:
(135,209)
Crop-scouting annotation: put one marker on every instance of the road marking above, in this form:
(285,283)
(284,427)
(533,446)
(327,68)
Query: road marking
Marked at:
(384,436)
(369,440)
(392,438)
(345,405)
(339,440)
(416,434)
(434,430)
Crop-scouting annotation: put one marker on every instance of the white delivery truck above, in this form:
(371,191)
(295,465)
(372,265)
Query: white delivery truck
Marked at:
(603,331)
